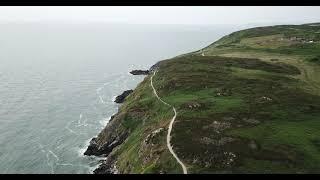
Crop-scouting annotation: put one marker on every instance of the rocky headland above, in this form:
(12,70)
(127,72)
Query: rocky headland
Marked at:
(247,103)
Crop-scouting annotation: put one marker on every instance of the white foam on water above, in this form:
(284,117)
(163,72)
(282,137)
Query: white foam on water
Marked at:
(92,159)
(54,155)
(113,98)
(71,131)
(91,169)
(65,164)
(101,100)
(103,86)
(41,148)
(82,122)
(98,163)
(105,121)
(85,122)
(58,147)
(48,163)
(80,117)
(70,164)
(84,148)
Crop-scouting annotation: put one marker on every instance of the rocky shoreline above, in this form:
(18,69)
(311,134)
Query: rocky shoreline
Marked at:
(112,135)
(102,145)
(108,166)
(121,97)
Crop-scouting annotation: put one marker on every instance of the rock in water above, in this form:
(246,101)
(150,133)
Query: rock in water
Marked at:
(140,72)
(92,148)
(120,98)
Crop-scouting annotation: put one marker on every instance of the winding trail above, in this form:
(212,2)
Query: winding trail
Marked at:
(170,127)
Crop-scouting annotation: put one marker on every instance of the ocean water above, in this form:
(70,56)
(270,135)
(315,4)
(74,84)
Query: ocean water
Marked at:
(57,82)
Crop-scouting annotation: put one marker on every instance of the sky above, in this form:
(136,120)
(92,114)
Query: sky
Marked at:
(198,15)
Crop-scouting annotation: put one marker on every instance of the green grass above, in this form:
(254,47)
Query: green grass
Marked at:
(299,135)
(315,59)
(249,80)
(266,167)
(223,104)
(144,114)
(242,95)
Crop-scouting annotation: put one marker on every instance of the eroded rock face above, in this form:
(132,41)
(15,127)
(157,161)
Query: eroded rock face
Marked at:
(121,97)
(92,148)
(110,137)
(140,72)
(95,149)
(107,167)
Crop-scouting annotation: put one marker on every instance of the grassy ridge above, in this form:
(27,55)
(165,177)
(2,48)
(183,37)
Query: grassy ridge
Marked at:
(248,103)
(234,95)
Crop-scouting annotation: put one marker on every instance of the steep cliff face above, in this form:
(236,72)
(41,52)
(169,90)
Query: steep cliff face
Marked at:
(111,136)
(248,103)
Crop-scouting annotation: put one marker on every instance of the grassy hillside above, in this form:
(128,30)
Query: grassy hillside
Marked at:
(248,103)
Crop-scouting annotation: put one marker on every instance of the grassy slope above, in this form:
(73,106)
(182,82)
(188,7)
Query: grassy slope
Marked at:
(250,105)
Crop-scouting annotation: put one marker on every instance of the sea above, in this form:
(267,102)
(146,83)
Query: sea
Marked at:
(58,81)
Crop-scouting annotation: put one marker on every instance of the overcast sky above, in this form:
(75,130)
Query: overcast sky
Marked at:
(164,14)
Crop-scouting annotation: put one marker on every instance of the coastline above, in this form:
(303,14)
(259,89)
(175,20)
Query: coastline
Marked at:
(228,100)
(107,164)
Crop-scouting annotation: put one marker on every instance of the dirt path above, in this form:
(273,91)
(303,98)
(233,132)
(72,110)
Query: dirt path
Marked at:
(170,127)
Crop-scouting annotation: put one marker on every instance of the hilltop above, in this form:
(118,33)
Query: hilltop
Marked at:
(247,103)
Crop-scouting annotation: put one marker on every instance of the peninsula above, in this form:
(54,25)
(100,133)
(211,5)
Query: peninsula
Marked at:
(247,103)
